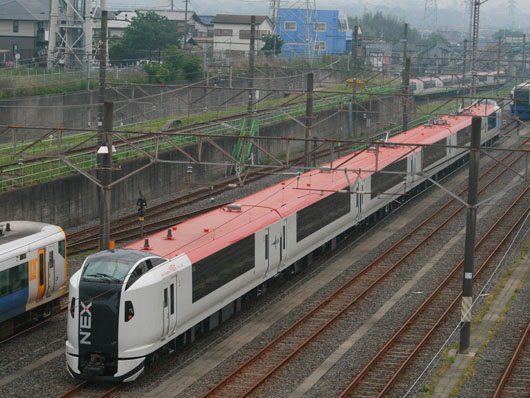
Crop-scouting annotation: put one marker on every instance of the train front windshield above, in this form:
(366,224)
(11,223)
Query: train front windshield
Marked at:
(110,266)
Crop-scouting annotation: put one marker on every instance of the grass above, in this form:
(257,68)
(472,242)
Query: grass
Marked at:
(447,359)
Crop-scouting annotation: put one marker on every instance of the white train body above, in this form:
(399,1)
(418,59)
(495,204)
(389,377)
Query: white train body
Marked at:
(195,279)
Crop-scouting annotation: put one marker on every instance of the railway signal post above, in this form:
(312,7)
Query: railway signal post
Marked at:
(142,204)
(469,255)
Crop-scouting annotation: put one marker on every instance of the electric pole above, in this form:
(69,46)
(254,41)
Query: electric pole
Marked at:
(185,25)
(469,256)
(106,177)
(464,73)
(309,118)
(405,88)
(405,79)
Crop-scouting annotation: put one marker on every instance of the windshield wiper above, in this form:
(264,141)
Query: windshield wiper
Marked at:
(103,275)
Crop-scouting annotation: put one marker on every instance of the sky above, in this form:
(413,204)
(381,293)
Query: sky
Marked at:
(494,13)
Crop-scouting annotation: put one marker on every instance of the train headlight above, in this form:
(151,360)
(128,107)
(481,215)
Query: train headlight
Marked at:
(129,311)
(72,307)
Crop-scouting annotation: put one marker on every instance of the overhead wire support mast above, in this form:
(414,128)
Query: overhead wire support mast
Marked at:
(102,139)
(474,47)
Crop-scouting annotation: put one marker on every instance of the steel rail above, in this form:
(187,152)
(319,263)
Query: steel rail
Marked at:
(423,308)
(510,368)
(73,390)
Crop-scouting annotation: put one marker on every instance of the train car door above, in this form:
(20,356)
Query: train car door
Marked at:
(283,245)
(358,189)
(41,273)
(275,243)
(51,272)
(172,305)
(165,310)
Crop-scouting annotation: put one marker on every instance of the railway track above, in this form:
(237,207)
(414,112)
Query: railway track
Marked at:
(101,390)
(260,368)
(383,371)
(515,382)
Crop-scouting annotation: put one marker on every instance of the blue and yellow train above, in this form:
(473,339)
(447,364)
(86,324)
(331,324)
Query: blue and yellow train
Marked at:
(520,97)
(32,272)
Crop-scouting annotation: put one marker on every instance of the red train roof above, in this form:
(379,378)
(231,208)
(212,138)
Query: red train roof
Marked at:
(210,232)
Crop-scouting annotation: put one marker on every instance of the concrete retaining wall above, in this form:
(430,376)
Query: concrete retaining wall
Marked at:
(73,200)
(139,103)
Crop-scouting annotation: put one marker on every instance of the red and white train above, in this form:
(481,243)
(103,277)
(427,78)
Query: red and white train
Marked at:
(127,304)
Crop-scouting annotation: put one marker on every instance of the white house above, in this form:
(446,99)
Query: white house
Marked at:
(232,32)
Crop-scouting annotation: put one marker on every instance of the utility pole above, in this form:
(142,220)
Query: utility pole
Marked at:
(524,57)
(308,118)
(251,80)
(353,109)
(499,64)
(102,71)
(185,25)
(464,72)
(106,177)
(251,65)
(405,79)
(100,159)
(405,91)
(469,256)
(474,47)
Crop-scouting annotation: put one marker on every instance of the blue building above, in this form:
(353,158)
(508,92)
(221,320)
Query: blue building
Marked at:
(327,32)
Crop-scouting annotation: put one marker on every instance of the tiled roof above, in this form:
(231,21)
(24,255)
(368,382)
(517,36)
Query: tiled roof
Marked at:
(25,10)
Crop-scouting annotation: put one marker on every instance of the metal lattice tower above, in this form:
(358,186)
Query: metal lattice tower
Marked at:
(474,48)
(512,6)
(274,7)
(70,41)
(310,18)
(430,16)
(468,6)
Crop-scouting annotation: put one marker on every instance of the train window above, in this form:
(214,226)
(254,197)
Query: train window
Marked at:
(172,297)
(41,268)
(321,213)
(432,154)
(4,283)
(283,237)
(463,136)
(267,246)
(113,269)
(165,297)
(19,277)
(157,261)
(62,248)
(140,269)
(220,268)
(382,182)
(72,307)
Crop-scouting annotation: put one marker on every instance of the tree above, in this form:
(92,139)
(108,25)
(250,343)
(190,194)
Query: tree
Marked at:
(378,25)
(434,39)
(273,44)
(507,33)
(175,66)
(148,33)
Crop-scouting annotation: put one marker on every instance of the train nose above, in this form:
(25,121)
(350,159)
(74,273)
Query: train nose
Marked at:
(95,365)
